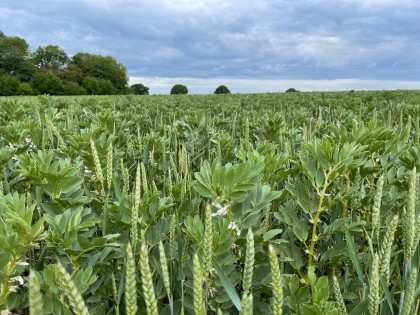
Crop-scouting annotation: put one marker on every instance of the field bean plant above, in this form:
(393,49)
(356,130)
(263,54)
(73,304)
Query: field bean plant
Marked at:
(283,203)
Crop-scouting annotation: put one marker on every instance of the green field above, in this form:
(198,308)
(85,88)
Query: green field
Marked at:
(282,203)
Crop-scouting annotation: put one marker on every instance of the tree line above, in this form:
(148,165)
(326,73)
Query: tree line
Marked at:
(49,70)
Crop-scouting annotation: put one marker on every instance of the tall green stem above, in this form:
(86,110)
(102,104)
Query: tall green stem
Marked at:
(314,237)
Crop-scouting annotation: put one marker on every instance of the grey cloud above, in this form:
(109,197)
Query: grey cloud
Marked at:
(237,39)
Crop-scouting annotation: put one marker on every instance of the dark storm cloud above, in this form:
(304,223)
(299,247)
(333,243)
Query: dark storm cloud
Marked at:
(373,39)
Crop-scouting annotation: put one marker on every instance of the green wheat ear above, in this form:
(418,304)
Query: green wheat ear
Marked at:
(377,207)
(276,278)
(147,281)
(249,262)
(374,294)
(410,293)
(385,253)
(36,305)
(165,272)
(338,297)
(130,283)
(75,298)
(247,304)
(198,286)
(208,242)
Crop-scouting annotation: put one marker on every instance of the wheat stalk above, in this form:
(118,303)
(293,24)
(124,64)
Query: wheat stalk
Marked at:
(109,166)
(115,294)
(146,279)
(36,306)
(97,162)
(135,211)
(276,278)
(409,218)
(198,286)
(246,304)
(144,179)
(130,283)
(249,262)
(374,294)
(208,242)
(341,306)
(172,236)
(385,253)
(165,272)
(377,206)
(410,293)
(75,298)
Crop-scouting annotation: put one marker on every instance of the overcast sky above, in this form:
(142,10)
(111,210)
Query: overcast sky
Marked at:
(248,45)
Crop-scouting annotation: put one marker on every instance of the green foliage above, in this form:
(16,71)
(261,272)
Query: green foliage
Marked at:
(50,57)
(48,83)
(13,53)
(222,89)
(24,89)
(96,86)
(291,90)
(9,84)
(179,89)
(49,70)
(102,68)
(139,89)
(263,204)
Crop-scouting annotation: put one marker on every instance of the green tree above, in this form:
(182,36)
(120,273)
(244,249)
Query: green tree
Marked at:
(72,73)
(13,53)
(106,68)
(179,89)
(24,89)
(140,89)
(46,82)
(8,84)
(72,88)
(291,90)
(222,89)
(26,71)
(50,57)
(97,86)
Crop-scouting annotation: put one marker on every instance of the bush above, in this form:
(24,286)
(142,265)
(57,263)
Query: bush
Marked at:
(24,89)
(72,88)
(179,89)
(222,89)
(8,84)
(96,86)
(291,90)
(46,82)
(139,89)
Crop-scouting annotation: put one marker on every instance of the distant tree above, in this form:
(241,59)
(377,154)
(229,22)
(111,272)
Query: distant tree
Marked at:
(26,71)
(8,84)
(106,68)
(140,89)
(222,89)
(179,89)
(50,57)
(291,90)
(96,86)
(71,73)
(46,82)
(73,88)
(24,89)
(13,53)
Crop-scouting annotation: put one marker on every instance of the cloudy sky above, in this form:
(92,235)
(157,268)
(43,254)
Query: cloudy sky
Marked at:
(248,45)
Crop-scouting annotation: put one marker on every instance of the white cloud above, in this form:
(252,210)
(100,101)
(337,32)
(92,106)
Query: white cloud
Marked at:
(237,85)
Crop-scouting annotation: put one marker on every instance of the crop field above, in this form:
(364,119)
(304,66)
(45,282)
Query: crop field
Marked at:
(283,203)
